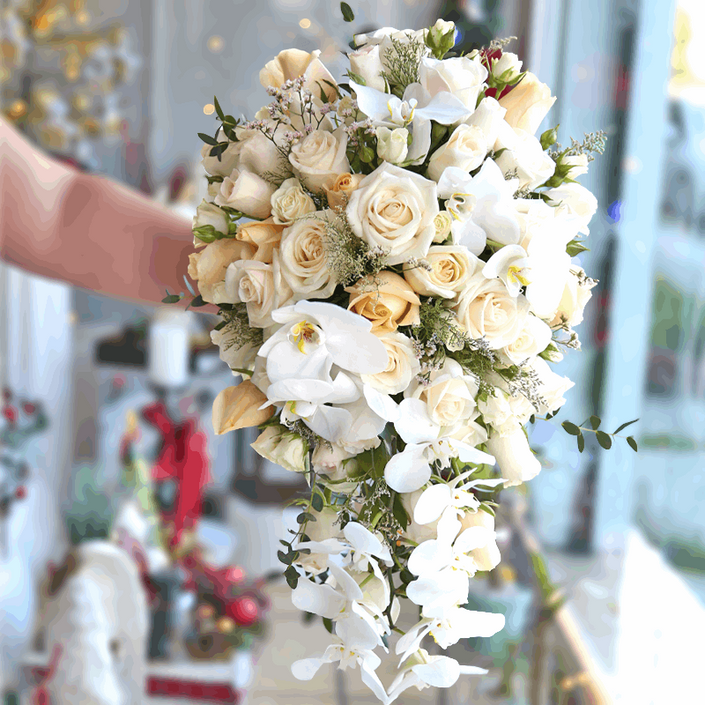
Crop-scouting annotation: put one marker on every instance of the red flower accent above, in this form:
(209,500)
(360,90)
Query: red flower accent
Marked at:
(235,575)
(29,408)
(21,492)
(10,413)
(244,611)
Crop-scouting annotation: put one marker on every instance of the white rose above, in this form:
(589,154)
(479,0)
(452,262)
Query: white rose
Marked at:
(527,103)
(392,145)
(470,431)
(246,192)
(260,286)
(452,266)
(497,411)
(229,159)
(486,557)
(449,396)
(442,222)
(486,309)
(578,164)
(401,369)
(319,158)
(290,202)
(524,153)
(328,459)
(252,152)
(533,339)
(234,355)
(466,149)
(366,62)
(576,294)
(303,259)
(384,35)
(283,447)
(210,214)
(462,76)
(394,209)
(508,65)
(553,386)
(516,462)
(577,201)
(444,26)
(489,117)
(292,63)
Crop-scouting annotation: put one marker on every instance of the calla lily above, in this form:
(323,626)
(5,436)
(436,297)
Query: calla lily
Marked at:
(482,206)
(423,671)
(414,111)
(410,470)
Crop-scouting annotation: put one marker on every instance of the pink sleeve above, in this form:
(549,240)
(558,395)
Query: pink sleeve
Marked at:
(86,230)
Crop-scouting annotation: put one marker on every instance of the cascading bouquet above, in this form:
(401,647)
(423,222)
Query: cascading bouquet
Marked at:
(394,299)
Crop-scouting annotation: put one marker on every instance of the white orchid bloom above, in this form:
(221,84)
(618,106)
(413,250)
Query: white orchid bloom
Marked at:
(448,626)
(410,470)
(347,657)
(511,265)
(482,206)
(414,112)
(307,361)
(423,671)
(445,503)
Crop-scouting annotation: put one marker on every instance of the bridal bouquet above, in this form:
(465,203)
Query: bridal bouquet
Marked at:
(391,259)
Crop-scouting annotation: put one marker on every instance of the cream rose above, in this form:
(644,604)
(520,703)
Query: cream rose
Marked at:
(533,339)
(386,300)
(290,202)
(264,236)
(516,462)
(523,152)
(228,161)
(260,286)
(402,366)
(486,309)
(462,76)
(452,266)
(578,164)
(450,395)
(488,556)
(252,152)
(553,386)
(442,222)
(339,194)
(394,209)
(576,200)
(208,267)
(576,294)
(303,259)
(367,64)
(246,192)
(508,67)
(210,214)
(292,63)
(319,158)
(234,355)
(527,104)
(392,145)
(466,149)
(280,446)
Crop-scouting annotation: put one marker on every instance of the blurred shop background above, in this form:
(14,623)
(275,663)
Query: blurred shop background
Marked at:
(122,87)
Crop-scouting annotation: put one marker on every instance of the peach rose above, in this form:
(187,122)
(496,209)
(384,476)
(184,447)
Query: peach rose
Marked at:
(264,237)
(527,104)
(385,299)
(343,186)
(239,407)
(292,63)
(208,266)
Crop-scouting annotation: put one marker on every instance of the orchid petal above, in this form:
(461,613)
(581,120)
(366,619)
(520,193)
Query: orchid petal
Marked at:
(441,672)
(375,104)
(468,454)
(356,632)
(414,424)
(409,643)
(409,470)
(319,599)
(346,581)
(329,422)
(443,108)
(372,681)
(429,557)
(431,503)
(363,540)
(471,539)
(446,588)
(382,404)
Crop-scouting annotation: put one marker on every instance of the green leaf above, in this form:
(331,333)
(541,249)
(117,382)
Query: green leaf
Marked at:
(571,428)
(356,78)
(242,371)
(218,109)
(624,425)
(399,512)
(581,443)
(604,440)
(328,624)
(632,443)
(304,517)
(171,298)
(292,577)
(317,502)
(286,558)
(575,247)
(595,421)
(348,14)
(197,302)
(208,139)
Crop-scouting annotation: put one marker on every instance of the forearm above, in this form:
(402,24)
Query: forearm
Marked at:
(86,230)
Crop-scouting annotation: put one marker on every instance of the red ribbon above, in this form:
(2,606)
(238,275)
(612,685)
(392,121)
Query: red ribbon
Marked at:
(183,458)
(40,696)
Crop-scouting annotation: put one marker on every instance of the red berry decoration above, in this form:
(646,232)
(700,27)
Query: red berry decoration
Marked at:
(235,575)
(21,492)
(244,611)
(29,408)
(10,413)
